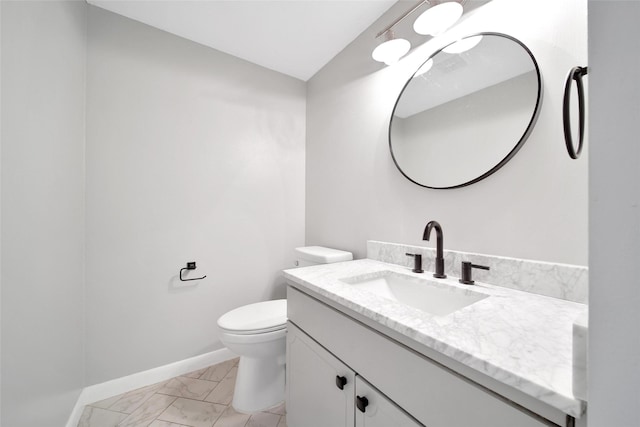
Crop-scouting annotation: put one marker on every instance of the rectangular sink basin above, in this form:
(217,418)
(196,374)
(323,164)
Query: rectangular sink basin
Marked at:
(427,295)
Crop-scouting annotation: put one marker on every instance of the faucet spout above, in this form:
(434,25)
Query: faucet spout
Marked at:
(439,247)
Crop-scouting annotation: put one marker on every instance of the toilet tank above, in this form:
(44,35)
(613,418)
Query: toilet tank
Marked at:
(314,255)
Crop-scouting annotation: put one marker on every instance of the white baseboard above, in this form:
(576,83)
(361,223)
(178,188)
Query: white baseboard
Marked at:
(121,385)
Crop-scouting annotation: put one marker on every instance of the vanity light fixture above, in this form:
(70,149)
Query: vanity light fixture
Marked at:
(463,45)
(391,50)
(435,20)
(425,67)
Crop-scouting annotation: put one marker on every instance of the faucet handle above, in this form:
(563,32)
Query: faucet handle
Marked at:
(466,272)
(417,264)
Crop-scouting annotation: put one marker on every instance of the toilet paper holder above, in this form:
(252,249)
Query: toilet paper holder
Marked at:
(190,266)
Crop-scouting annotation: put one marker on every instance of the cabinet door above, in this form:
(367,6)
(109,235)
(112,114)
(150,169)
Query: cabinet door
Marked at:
(320,388)
(375,410)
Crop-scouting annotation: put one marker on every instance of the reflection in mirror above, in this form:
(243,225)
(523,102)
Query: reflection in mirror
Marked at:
(464,114)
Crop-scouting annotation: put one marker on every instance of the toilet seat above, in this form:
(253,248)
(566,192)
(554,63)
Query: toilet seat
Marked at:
(253,331)
(251,339)
(253,319)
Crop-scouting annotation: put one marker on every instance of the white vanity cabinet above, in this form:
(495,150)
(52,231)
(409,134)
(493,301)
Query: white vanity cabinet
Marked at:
(373,409)
(323,342)
(323,392)
(320,388)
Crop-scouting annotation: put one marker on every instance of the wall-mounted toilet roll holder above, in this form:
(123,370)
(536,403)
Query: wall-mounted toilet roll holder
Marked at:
(190,266)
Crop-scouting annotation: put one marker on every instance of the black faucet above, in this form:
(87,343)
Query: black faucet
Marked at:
(417,263)
(439,274)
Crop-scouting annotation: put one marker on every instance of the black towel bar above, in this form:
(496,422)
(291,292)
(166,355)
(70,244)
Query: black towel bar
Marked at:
(576,73)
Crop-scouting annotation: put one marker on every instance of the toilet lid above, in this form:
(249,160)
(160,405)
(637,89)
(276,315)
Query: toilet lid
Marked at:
(260,317)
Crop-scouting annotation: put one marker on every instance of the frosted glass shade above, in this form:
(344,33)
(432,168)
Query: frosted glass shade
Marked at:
(438,19)
(425,67)
(463,45)
(391,51)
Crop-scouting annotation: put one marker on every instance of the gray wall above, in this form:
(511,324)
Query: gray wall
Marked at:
(535,207)
(0,214)
(192,155)
(43,94)
(614,229)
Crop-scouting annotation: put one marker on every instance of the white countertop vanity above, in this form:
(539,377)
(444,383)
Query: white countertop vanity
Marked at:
(482,355)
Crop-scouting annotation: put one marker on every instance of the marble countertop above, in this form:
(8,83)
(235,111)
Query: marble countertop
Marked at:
(521,339)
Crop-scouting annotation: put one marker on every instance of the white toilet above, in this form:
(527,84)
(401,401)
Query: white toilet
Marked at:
(257,333)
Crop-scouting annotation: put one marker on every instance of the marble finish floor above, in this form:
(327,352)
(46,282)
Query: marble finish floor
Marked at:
(198,399)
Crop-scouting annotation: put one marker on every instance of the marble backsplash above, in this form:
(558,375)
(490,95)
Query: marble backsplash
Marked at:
(567,282)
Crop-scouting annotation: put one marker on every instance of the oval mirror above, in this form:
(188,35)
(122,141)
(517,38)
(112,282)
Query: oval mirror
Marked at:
(466,111)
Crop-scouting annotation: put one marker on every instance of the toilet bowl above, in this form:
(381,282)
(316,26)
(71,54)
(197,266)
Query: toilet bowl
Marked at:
(257,333)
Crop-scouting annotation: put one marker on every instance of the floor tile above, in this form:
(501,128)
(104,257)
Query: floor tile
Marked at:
(263,419)
(148,411)
(223,393)
(104,404)
(132,400)
(191,388)
(195,374)
(276,409)
(179,403)
(233,373)
(231,418)
(192,413)
(219,371)
(98,417)
(158,423)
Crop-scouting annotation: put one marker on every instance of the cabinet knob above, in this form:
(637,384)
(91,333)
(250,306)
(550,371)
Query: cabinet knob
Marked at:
(362,403)
(340,382)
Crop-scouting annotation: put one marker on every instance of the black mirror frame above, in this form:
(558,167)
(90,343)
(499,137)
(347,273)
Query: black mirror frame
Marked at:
(516,148)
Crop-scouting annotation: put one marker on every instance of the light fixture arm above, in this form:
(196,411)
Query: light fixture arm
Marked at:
(410,11)
(401,18)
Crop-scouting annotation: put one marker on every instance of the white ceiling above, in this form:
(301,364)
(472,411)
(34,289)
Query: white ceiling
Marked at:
(294,37)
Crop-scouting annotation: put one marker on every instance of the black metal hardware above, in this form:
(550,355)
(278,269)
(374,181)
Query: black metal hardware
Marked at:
(341,382)
(362,403)
(576,73)
(439,274)
(190,266)
(417,263)
(466,272)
